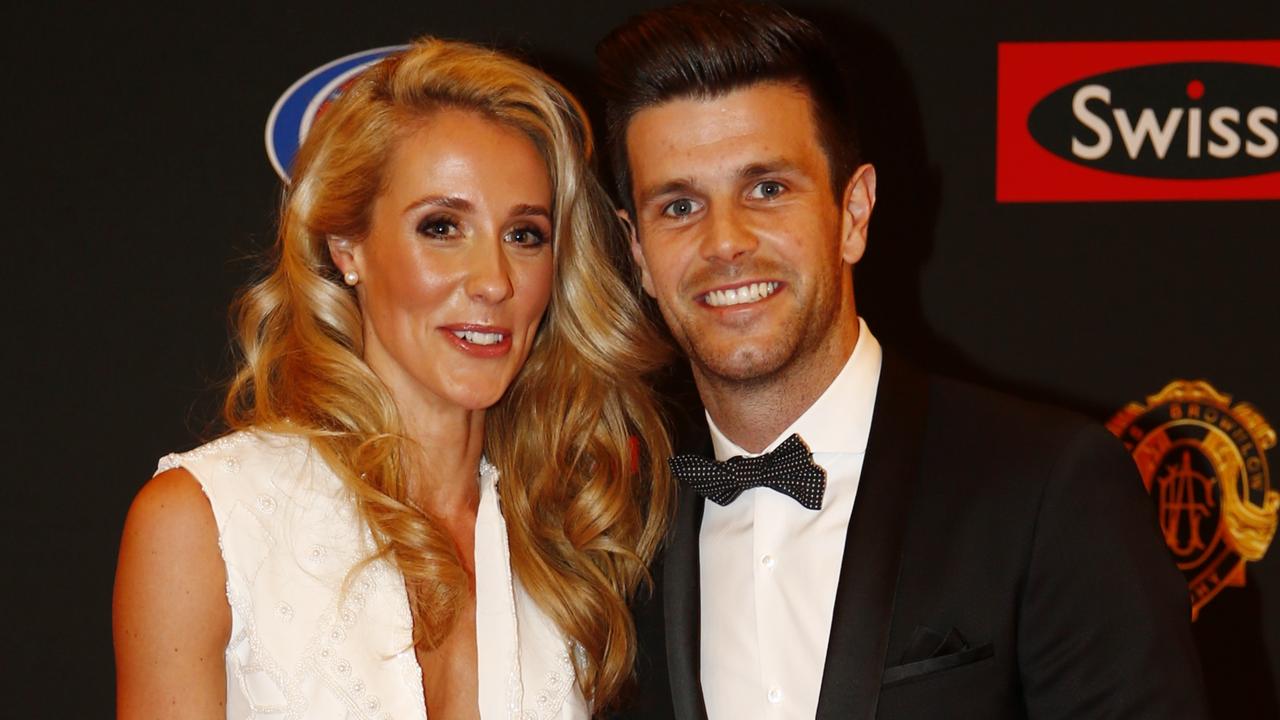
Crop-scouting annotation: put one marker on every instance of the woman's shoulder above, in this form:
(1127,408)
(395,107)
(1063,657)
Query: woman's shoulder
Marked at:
(233,449)
(254,467)
(169,608)
(172,504)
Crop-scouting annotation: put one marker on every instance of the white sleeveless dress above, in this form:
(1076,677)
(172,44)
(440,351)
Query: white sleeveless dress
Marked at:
(302,648)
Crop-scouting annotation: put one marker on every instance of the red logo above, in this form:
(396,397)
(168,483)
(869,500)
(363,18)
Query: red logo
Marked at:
(1102,121)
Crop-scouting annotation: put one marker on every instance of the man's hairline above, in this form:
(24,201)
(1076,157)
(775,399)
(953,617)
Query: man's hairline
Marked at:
(794,82)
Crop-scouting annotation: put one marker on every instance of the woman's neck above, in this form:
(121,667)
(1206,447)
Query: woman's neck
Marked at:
(444,457)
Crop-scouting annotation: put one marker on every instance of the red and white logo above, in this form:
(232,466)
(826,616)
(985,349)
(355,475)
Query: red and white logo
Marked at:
(1138,121)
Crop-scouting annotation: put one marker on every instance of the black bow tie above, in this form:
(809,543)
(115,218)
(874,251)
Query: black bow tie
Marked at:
(788,468)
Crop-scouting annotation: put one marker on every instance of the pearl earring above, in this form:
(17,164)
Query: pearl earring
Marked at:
(351,278)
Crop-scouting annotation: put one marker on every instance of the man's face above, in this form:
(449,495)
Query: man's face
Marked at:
(738,235)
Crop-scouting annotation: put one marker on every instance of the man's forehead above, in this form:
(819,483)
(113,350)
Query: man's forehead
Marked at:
(723,113)
(755,124)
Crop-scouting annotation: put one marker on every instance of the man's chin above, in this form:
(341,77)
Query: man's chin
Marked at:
(737,364)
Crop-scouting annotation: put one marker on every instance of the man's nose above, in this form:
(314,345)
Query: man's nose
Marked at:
(727,238)
(488,278)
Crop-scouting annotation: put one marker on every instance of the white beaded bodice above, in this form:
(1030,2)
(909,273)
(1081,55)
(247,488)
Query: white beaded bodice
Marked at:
(309,642)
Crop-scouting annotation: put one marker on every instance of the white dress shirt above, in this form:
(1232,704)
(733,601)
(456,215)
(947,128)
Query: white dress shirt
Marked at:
(769,567)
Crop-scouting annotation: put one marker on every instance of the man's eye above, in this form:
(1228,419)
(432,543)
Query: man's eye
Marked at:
(438,227)
(526,237)
(680,208)
(767,190)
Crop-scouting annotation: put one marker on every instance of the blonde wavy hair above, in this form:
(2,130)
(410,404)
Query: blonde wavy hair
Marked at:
(578,437)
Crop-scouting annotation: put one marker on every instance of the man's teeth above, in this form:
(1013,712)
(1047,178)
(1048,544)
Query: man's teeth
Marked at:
(754,292)
(479,338)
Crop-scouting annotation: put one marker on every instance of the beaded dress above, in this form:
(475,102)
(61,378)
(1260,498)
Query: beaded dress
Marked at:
(301,647)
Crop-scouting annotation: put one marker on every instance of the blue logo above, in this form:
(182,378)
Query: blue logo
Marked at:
(297,108)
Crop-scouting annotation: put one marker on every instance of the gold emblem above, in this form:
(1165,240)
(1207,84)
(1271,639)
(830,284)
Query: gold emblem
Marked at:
(1202,460)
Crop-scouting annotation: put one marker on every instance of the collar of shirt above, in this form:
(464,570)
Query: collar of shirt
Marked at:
(839,421)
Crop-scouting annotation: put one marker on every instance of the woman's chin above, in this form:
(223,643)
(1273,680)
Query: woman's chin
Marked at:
(477,396)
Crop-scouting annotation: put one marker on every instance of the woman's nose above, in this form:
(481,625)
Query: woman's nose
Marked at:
(489,273)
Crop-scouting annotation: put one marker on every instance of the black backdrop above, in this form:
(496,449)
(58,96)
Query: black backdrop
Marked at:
(137,193)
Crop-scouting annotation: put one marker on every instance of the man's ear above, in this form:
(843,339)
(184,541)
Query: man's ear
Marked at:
(646,281)
(856,204)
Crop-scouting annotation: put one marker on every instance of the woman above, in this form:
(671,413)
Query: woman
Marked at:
(434,489)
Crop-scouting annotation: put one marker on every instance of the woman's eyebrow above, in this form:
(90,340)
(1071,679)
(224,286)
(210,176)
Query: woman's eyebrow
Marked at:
(523,209)
(451,202)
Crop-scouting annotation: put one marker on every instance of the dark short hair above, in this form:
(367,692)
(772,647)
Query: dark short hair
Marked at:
(708,49)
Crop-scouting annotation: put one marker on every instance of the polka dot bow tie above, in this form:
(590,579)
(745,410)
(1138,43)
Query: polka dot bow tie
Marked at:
(788,469)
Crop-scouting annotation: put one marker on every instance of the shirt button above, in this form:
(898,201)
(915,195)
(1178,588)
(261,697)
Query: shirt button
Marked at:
(775,695)
(767,561)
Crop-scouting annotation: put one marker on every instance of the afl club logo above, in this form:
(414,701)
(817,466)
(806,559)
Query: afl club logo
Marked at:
(1138,121)
(1202,460)
(299,106)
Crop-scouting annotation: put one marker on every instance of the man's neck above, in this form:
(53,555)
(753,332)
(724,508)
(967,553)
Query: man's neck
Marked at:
(753,413)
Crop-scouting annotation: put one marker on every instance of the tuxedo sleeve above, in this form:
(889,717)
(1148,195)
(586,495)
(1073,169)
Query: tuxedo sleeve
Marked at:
(648,696)
(1105,629)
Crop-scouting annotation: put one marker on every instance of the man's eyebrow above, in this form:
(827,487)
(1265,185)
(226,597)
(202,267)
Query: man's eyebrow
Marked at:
(770,167)
(670,187)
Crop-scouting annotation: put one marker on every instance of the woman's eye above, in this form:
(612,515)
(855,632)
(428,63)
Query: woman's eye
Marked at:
(767,190)
(438,227)
(527,237)
(680,208)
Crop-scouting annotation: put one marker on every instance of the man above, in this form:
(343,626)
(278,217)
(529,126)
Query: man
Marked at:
(945,552)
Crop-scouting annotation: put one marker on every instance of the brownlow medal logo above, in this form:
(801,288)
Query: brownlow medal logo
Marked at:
(1202,460)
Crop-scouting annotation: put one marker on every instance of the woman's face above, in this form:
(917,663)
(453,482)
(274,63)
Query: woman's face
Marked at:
(455,272)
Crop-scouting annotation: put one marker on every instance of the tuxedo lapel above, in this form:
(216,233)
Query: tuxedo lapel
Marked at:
(682,606)
(873,547)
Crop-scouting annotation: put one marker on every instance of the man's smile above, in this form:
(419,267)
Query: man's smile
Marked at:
(740,294)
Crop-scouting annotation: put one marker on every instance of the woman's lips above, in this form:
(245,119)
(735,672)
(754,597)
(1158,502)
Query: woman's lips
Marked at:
(482,341)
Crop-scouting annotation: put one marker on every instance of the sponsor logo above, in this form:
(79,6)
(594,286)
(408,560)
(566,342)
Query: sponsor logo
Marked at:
(1138,121)
(299,106)
(1202,460)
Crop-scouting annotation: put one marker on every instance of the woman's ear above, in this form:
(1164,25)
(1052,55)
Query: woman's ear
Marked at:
(856,205)
(346,256)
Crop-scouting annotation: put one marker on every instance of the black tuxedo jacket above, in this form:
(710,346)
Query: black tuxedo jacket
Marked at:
(1002,561)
